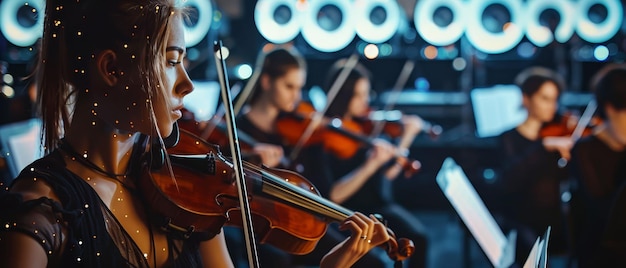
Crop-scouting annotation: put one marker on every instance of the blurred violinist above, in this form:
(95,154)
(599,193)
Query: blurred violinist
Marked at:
(598,170)
(363,181)
(277,90)
(529,187)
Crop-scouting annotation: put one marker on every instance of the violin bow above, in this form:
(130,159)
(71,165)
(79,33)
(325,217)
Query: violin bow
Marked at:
(405,73)
(330,96)
(580,127)
(246,217)
(584,120)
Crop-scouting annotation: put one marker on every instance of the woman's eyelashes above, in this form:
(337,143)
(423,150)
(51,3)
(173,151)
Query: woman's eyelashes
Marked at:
(174,62)
(174,58)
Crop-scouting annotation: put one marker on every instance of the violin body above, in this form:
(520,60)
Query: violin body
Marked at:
(564,125)
(214,132)
(342,140)
(292,125)
(338,137)
(205,198)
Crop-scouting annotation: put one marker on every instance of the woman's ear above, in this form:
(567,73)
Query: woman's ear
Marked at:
(106,62)
(609,111)
(265,82)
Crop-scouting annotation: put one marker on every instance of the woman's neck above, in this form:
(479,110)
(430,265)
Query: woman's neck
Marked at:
(99,143)
(530,128)
(604,132)
(263,115)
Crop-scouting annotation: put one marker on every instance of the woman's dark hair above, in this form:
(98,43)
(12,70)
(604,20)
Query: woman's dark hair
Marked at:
(75,31)
(531,79)
(276,63)
(609,87)
(339,105)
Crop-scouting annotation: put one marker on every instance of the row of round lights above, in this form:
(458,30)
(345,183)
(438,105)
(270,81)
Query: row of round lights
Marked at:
(466,20)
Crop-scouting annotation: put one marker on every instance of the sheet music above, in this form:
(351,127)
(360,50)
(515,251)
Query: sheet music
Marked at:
(538,256)
(543,255)
(203,100)
(21,144)
(497,109)
(533,259)
(472,210)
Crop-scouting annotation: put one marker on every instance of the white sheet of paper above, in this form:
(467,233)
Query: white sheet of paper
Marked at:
(472,210)
(497,109)
(21,142)
(533,260)
(25,148)
(203,100)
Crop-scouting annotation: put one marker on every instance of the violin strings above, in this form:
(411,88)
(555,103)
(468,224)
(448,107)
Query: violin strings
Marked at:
(301,197)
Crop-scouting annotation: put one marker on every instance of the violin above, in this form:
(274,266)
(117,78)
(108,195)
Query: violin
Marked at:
(343,139)
(197,193)
(573,127)
(390,123)
(292,125)
(564,125)
(218,134)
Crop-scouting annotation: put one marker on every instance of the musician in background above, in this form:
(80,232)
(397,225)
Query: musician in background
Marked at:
(598,169)
(363,181)
(529,186)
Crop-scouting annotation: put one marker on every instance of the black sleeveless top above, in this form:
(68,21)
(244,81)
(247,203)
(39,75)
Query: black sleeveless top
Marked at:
(93,237)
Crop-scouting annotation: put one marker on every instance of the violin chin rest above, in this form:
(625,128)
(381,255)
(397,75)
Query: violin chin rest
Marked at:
(157,152)
(171,140)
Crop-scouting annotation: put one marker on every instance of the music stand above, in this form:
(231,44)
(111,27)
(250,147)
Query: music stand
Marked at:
(499,249)
(538,256)
(21,144)
(203,100)
(496,109)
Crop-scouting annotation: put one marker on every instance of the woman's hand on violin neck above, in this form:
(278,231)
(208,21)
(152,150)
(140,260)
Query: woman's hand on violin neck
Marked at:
(271,155)
(563,145)
(366,233)
(381,152)
(412,124)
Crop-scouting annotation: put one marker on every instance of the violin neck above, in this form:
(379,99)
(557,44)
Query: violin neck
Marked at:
(358,137)
(283,190)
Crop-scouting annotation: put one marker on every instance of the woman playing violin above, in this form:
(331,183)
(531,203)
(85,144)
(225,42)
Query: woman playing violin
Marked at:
(278,90)
(530,178)
(111,73)
(598,169)
(363,181)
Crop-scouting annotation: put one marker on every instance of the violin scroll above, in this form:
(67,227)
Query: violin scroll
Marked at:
(397,249)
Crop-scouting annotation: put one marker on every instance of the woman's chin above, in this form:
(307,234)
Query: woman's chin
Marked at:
(165,131)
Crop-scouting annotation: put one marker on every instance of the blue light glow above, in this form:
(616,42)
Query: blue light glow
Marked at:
(244,71)
(601,53)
